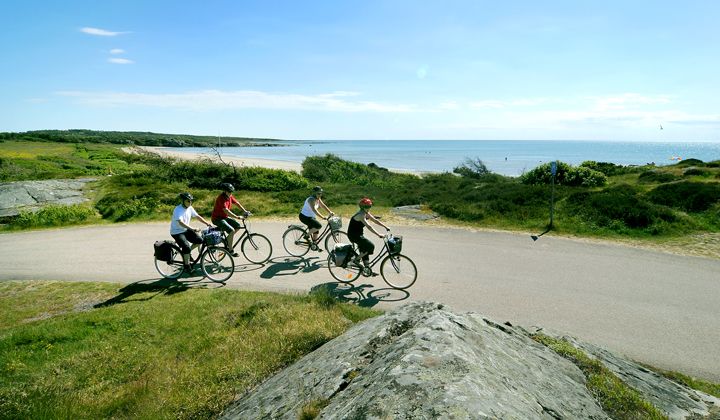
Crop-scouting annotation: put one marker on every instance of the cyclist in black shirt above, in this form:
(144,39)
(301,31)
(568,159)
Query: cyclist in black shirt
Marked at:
(355,231)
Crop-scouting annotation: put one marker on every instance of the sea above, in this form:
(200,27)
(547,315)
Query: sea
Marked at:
(505,157)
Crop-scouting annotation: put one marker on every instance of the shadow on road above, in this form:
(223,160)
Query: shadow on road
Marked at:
(288,266)
(158,287)
(362,294)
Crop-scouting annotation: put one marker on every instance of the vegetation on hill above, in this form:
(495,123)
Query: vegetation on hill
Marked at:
(592,199)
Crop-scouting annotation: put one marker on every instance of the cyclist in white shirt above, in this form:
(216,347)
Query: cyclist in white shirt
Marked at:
(310,210)
(180,228)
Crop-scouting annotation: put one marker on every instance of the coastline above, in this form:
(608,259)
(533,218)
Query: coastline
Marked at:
(262,163)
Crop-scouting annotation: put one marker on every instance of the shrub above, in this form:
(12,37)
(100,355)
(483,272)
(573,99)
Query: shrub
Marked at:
(472,168)
(54,215)
(692,171)
(609,169)
(566,175)
(331,168)
(118,209)
(691,162)
(688,196)
(657,176)
(713,164)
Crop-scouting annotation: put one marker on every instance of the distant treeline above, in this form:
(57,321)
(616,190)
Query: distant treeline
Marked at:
(135,138)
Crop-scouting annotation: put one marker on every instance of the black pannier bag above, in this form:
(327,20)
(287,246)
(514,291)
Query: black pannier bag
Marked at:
(163,250)
(342,254)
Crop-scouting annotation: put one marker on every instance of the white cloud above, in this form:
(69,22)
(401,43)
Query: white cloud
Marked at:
(100,32)
(117,51)
(629,100)
(209,100)
(120,61)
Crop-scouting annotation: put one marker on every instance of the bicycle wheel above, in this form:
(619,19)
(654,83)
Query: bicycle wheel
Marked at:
(343,274)
(294,242)
(335,237)
(398,271)
(256,248)
(173,268)
(217,264)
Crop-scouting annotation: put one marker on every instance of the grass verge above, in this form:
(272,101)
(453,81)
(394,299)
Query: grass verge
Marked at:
(159,350)
(616,398)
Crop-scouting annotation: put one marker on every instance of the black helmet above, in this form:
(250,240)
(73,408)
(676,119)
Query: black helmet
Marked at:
(317,189)
(226,186)
(186,196)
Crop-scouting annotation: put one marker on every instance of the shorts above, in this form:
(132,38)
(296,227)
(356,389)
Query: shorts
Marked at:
(227,224)
(311,222)
(364,245)
(184,239)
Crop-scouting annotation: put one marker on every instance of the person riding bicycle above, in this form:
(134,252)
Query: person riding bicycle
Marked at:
(180,228)
(223,217)
(355,231)
(310,210)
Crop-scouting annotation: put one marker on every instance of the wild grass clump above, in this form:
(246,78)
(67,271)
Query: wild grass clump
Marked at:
(617,399)
(581,176)
(331,168)
(709,388)
(609,169)
(151,349)
(657,176)
(687,195)
(54,215)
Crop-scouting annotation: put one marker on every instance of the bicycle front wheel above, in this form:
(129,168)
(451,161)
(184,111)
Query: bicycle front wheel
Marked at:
(256,248)
(335,237)
(173,268)
(398,271)
(295,243)
(217,264)
(346,274)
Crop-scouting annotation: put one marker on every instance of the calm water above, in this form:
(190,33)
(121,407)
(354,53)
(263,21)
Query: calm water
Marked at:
(507,157)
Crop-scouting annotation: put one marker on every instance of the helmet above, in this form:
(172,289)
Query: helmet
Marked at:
(226,186)
(365,202)
(317,190)
(186,196)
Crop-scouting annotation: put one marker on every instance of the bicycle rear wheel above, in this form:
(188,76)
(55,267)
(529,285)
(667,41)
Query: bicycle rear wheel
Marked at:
(256,248)
(295,243)
(346,274)
(173,268)
(217,264)
(398,271)
(335,237)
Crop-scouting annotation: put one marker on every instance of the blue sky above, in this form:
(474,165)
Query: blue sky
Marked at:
(596,70)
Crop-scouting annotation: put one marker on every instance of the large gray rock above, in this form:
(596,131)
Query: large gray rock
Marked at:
(33,195)
(422,361)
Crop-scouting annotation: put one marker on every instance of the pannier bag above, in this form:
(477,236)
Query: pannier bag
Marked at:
(212,237)
(163,250)
(395,244)
(342,254)
(335,223)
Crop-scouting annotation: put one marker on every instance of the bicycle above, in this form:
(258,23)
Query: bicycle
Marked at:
(297,240)
(216,261)
(254,246)
(398,270)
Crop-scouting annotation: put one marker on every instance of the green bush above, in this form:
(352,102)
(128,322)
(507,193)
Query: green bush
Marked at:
(116,208)
(609,169)
(566,175)
(694,171)
(54,215)
(687,195)
(331,168)
(690,162)
(657,176)
(207,174)
(618,209)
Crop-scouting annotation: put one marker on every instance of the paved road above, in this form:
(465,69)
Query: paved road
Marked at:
(654,307)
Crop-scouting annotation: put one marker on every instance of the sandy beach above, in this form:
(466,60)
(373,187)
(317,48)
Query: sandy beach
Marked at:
(239,162)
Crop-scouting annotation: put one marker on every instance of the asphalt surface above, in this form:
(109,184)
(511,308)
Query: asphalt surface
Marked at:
(653,307)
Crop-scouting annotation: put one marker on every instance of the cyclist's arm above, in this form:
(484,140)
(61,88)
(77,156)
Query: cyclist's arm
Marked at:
(375,220)
(239,205)
(372,229)
(312,206)
(202,219)
(322,203)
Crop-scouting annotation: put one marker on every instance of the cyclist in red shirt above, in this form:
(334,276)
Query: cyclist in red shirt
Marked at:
(223,217)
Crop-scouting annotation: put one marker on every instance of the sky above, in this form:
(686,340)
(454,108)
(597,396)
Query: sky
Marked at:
(395,69)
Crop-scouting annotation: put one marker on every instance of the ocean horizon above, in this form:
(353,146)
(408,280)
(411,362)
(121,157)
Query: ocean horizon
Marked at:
(505,157)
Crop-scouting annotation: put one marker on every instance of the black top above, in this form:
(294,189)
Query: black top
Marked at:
(355,228)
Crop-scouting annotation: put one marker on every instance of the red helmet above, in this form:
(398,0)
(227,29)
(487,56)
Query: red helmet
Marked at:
(365,202)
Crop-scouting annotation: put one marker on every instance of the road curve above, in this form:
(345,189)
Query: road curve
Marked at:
(653,307)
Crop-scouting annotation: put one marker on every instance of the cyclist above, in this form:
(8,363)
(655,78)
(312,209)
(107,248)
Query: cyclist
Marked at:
(310,210)
(223,217)
(355,231)
(180,228)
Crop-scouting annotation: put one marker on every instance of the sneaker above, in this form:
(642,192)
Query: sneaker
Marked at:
(234,254)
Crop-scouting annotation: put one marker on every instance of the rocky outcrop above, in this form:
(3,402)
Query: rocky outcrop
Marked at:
(422,361)
(32,195)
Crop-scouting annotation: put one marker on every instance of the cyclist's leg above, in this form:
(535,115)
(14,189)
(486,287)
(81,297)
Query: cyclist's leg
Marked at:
(229,226)
(313,226)
(365,249)
(185,246)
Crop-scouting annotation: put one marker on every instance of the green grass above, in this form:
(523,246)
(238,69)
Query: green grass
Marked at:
(616,398)
(707,387)
(153,350)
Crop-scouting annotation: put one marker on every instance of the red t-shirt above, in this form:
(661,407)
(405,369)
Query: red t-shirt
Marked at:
(221,203)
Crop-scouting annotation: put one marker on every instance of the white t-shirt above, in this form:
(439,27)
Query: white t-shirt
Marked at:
(184,214)
(307,209)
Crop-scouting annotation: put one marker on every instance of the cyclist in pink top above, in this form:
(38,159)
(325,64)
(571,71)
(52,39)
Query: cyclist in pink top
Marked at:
(223,217)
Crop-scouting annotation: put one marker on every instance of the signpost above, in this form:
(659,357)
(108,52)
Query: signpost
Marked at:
(553,173)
